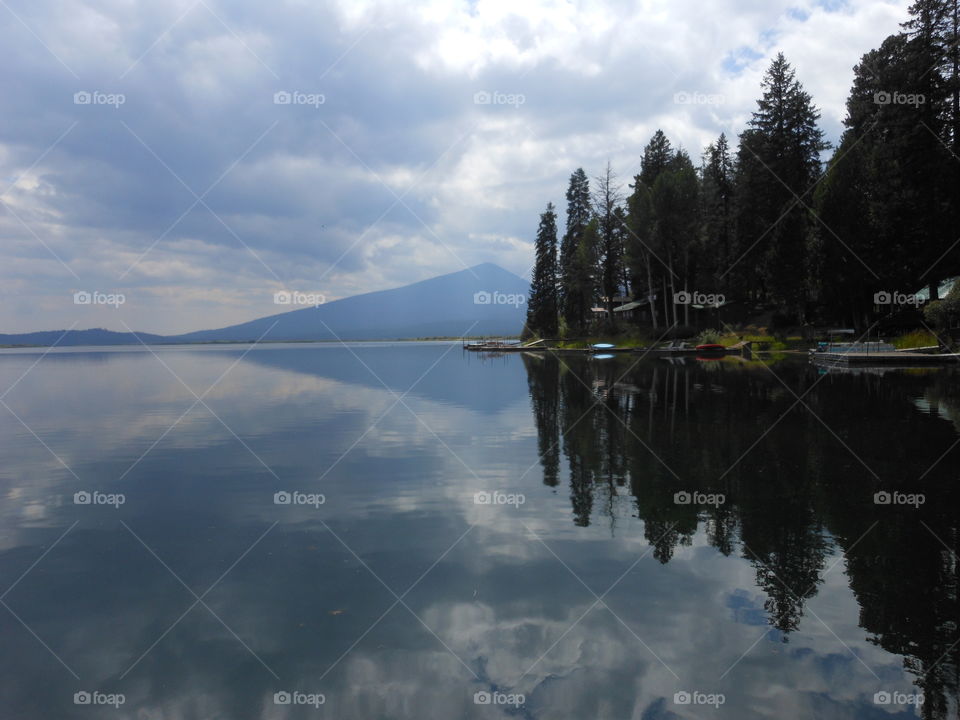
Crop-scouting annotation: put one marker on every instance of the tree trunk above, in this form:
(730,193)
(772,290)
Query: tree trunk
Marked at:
(650,293)
(666,307)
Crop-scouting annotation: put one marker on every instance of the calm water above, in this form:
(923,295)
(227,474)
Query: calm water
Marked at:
(587,585)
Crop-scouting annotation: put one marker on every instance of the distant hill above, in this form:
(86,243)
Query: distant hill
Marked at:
(482,300)
(94,336)
(443,306)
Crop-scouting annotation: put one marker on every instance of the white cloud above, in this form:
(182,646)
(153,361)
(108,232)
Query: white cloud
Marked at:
(597,80)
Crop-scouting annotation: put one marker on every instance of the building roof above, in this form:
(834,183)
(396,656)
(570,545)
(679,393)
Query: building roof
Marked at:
(944,288)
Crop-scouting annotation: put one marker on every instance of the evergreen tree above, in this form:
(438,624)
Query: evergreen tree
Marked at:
(657,156)
(842,284)
(778,164)
(578,215)
(644,246)
(716,250)
(586,287)
(936,24)
(583,287)
(933,57)
(907,166)
(639,236)
(542,305)
(674,199)
(609,251)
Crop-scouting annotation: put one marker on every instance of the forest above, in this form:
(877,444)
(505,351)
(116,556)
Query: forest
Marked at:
(778,222)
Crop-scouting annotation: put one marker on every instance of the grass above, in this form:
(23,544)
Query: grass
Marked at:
(765,342)
(915,339)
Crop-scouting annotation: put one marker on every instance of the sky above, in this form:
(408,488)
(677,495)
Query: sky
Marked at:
(179,163)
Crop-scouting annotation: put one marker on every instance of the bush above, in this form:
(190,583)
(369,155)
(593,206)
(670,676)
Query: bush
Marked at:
(709,336)
(944,314)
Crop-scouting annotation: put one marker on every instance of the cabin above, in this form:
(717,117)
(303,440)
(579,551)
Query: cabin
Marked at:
(637,311)
(943,289)
(625,310)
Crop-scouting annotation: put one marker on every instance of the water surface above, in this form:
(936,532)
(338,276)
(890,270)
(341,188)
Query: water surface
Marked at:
(587,584)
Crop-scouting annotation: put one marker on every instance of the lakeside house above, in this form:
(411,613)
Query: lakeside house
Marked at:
(640,312)
(943,289)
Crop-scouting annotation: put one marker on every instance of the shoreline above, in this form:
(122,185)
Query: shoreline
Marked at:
(27,346)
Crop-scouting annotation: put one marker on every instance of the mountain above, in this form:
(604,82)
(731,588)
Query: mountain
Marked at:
(93,336)
(448,305)
(482,300)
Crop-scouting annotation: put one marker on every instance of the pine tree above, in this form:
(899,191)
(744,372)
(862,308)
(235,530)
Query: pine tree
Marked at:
(674,199)
(637,242)
(778,164)
(578,215)
(584,281)
(910,173)
(933,56)
(842,283)
(542,305)
(716,249)
(657,156)
(645,266)
(936,24)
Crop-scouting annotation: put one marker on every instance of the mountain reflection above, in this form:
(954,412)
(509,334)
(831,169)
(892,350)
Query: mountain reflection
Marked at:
(798,468)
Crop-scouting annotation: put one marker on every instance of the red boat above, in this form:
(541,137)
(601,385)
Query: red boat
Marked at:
(711,347)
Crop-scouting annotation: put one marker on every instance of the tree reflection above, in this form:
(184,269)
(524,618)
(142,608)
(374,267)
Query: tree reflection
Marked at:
(798,476)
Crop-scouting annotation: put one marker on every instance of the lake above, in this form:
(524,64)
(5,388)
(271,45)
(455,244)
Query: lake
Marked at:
(407,531)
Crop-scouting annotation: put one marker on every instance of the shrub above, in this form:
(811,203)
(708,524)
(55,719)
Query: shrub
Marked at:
(944,314)
(709,336)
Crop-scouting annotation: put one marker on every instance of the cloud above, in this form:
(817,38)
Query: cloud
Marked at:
(383,168)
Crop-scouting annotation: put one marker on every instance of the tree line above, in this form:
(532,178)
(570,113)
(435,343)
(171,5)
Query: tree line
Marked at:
(768,223)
